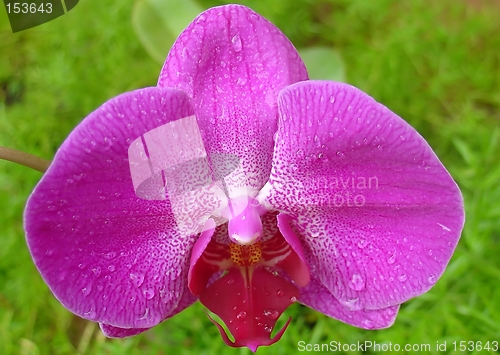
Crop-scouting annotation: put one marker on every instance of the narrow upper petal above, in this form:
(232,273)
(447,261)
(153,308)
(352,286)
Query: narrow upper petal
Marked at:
(106,254)
(233,63)
(378,213)
(319,298)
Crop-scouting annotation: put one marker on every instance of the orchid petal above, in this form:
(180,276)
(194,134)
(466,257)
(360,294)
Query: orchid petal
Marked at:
(319,298)
(116,332)
(186,300)
(393,241)
(233,63)
(106,254)
(203,265)
(285,252)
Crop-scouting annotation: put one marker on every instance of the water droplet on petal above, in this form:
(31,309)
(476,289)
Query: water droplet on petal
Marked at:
(86,290)
(280,293)
(431,280)
(293,299)
(241,315)
(402,278)
(236,41)
(332,99)
(111,268)
(96,271)
(403,138)
(352,304)
(368,324)
(137,279)
(230,281)
(362,244)
(392,259)
(267,329)
(148,294)
(90,314)
(357,282)
(271,313)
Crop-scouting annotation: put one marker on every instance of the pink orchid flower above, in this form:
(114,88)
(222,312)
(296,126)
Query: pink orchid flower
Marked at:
(334,201)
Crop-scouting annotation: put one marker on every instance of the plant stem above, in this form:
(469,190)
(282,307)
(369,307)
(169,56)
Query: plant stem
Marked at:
(25,159)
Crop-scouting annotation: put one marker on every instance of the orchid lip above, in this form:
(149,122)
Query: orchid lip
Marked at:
(254,293)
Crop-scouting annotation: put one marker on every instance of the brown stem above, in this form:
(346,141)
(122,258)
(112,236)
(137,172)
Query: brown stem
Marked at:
(25,159)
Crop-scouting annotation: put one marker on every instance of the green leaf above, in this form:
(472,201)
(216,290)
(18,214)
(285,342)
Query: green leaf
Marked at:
(157,23)
(323,63)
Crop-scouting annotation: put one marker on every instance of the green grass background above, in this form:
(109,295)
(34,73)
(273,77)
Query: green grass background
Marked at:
(435,63)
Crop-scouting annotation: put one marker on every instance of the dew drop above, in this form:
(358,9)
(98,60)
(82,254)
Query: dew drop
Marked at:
(86,290)
(403,138)
(293,299)
(111,268)
(402,278)
(353,304)
(230,281)
(267,328)
(332,99)
(137,279)
(236,41)
(357,282)
(368,324)
(431,280)
(241,315)
(392,259)
(148,294)
(96,271)
(90,314)
(271,313)
(362,244)
(280,293)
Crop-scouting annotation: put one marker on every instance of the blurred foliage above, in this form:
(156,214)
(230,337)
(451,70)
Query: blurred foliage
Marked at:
(436,64)
(157,23)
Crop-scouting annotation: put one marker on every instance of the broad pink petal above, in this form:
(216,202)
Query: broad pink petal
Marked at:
(233,63)
(378,214)
(186,300)
(319,298)
(106,254)
(115,332)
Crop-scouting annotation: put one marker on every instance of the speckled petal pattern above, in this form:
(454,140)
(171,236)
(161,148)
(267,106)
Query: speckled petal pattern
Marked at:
(106,254)
(186,300)
(378,214)
(233,63)
(320,299)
